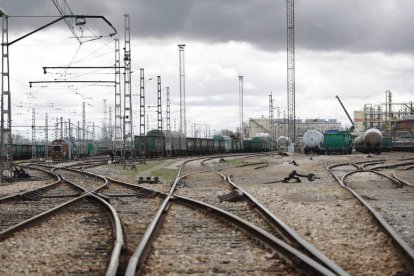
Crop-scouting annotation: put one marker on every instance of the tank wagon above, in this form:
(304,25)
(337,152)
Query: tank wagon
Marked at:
(282,142)
(369,142)
(313,141)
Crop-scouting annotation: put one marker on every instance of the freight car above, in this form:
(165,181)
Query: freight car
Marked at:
(65,149)
(170,143)
(162,143)
(313,141)
(337,142)
(24,151)
(222,143)
(369,142)
(260,144)
(282,142)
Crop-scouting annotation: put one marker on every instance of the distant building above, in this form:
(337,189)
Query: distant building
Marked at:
(258,126)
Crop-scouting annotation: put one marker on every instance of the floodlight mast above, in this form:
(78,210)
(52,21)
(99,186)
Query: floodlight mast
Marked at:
(6,139)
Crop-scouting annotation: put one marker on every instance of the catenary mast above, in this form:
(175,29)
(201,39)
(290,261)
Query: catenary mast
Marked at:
(290,11)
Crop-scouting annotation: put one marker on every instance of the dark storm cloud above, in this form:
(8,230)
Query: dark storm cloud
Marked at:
(352,25)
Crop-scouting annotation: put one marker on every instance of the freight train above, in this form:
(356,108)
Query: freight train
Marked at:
(59,149)
(340,142)
(171,143)
(66,149)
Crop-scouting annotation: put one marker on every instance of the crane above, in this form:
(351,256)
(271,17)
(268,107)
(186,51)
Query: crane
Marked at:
(347,114)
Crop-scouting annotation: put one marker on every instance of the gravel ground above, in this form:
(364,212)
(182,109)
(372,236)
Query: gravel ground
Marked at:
(394,204)
(39,179)
(324,213)
(191,242)
(67,243)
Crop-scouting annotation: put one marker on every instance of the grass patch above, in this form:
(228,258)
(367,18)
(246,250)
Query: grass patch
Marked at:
(167,175)
(139,168)
(234,162)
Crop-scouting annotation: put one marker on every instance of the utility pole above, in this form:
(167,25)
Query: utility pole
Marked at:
(159,108)
(241,107)
(110,126)
(61,128)
(271,116)
(104,126)
(141,102)
(57,128)
(290,11)
(128,124)
(118,141)
(46,135)
(168,109)
(183,123)
(83,121)
(6,149)
(33,134)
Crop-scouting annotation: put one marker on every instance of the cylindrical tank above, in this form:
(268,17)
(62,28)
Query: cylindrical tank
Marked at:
(312,139)
(282,142)
(372,137)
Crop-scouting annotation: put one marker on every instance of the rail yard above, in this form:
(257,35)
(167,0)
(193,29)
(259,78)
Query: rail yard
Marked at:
(204,180)
(256,213)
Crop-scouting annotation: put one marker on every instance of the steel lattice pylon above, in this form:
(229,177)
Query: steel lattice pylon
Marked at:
(118,114)
(168,109)
(128,135)
(271,123)
(290,4)
(141,102)
(6,138)
(241,108)
(183,122)
(159,106)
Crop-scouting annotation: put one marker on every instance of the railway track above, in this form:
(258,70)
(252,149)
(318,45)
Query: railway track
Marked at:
(21,206)
(74,238)
(201,229)
(387,199)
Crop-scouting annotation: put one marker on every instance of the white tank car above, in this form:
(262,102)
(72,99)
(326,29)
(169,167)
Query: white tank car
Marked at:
(370,141)
(282,142)
(372,137)
(313,139)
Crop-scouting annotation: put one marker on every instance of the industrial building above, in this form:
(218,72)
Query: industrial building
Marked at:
(393,119)
(259,126)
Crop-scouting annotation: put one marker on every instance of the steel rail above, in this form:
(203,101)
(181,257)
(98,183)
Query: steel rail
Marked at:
(88,173)
(49,186)
(404,182)
(289,234)
(119,237)
(15,228)
(405,249)
(116,225)
(290,253)
(138,258)
(392,166)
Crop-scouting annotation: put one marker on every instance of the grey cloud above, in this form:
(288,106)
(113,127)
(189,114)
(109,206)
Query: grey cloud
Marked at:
(353,25)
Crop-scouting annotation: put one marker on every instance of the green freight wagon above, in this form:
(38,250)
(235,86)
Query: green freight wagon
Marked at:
(339,142)
(386,144)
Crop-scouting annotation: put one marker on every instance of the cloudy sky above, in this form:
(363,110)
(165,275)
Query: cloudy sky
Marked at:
(355,49)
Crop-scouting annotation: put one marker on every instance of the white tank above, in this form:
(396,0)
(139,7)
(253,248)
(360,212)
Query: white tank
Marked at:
(312,139)
(282,142)
(372,137)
